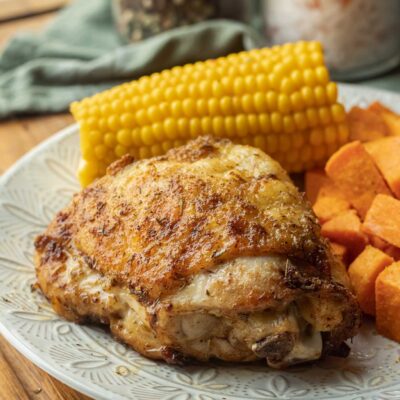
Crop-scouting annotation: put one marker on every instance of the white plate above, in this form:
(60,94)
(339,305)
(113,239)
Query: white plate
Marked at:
(89,360)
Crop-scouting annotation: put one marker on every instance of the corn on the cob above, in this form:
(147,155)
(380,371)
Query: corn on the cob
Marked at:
(279,99)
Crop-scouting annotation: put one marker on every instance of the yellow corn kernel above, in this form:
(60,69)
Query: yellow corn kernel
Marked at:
(100,151)
(218,126)
(316,137)
(272,101)
(264,123)
(226,105)
(230,126)
(284,103)
(110,140)
(202,107)
(288,124)
(330,135)
(213,107)
(296,101)
(170,128)
(324,115)
(124,137)
(189,107)
(300,120)
(276,122)
(195,127)
(247,103)
(252,122)
(312,117)
(127,120)
(206,125)
(120,150)
(176,109)
(242,128)
(338,113)
(183,127)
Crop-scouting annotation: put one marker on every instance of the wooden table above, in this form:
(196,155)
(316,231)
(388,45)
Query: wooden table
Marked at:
(19,378)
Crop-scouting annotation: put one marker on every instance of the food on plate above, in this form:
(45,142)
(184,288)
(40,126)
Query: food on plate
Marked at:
(314,179)
(278,99)
(388,302)
(366,125)
(340,251)
(368,176)
(345,229)
(391,119)
(363,272)
(386,155)
(383,219)
(354,172)
(330,202)
(206,252)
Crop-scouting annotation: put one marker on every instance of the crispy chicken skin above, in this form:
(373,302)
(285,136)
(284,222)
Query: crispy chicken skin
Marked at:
(208,251)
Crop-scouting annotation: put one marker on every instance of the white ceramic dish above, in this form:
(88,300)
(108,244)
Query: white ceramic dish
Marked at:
(89,360)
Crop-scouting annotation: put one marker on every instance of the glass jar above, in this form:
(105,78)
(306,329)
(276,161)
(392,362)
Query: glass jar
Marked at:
(361,38)
(139,19)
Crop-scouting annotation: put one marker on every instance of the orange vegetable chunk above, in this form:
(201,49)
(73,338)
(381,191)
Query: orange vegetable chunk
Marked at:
(383,219)
(339,251)
(366,125)
(354,172)
(391,119)
(386,154)
(363,272)
(387,297)
(345,229)
(314,180)
(330,202)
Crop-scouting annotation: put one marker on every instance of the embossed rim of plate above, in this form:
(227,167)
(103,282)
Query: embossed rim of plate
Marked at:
(20,345)
(345,90)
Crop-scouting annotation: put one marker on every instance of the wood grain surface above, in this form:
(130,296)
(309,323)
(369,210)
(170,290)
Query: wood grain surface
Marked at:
(19,378)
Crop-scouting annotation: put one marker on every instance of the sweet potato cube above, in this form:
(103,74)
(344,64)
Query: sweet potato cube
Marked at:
(383,219)
(330,202)
(391,119)
(339,251)
(345,229)
(314,180)
(366,125)
(363,272)
(386,247)
(387,297)
(386,155)
(354,172)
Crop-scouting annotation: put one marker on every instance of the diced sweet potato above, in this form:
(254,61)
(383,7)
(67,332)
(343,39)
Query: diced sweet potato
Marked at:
(354,172)
(386,155)
(339,251)
(363,272)
(345,229)
(387,297)
(314,180)
(383,219)
(386,247)
(328,206)
(366,125)
(391,119)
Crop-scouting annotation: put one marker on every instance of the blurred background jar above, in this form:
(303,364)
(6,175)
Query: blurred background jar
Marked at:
(139,19)
(361,38)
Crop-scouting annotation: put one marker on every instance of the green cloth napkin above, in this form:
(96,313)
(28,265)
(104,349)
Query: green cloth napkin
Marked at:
(81,53)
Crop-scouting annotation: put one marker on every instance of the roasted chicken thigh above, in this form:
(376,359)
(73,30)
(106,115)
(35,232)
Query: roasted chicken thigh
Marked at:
(207,252)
